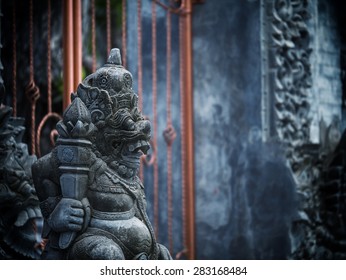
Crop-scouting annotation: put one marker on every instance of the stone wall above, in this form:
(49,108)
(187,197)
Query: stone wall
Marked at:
(240,179)
(244,190)
(326,92)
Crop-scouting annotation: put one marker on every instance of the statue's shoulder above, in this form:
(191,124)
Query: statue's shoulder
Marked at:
(45,168)
(41,164)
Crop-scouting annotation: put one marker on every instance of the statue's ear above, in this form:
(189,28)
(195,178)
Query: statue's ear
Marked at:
(89,80)
(134,101)
(82,92)
(83,89)
(73,96)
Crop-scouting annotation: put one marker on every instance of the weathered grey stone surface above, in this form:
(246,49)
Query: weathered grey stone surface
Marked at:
(20,215)
(91,198)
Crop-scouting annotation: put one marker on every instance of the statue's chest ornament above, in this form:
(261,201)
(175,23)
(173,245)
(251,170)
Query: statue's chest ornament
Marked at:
(133,184)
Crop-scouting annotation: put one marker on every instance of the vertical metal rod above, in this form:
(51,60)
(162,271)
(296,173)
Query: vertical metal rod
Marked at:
(139,65)
(108,19)
(154,81)
(77,43)
(32,91)
(14,60)
(31,40)
(139,52)
(189,129)
(68,60)
(168,67)
(169,124)
(49,62)
(182,137)
(49,114)
(123,32)
(93,35)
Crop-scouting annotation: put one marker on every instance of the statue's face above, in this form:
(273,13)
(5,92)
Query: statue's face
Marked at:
(122,133)
(128,136)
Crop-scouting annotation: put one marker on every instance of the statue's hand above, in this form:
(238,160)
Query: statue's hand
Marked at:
(68,215)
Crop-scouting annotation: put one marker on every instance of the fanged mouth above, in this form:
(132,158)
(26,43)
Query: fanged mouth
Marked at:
(138,148)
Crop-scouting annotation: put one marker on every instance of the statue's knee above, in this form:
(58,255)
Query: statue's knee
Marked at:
(96,248)
(104,251)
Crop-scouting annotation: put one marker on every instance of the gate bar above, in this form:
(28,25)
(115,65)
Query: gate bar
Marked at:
(186,19)
(72,48)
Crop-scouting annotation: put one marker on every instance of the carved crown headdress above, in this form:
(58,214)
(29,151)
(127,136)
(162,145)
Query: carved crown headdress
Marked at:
(107,90)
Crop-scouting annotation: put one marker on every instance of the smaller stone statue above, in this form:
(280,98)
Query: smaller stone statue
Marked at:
(91,198)
(20,215)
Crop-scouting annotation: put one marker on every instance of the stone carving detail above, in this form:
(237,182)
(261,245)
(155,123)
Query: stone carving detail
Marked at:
(20,215)
(288,59)
(91,197)
(318,230)
(331,229)
(291,53)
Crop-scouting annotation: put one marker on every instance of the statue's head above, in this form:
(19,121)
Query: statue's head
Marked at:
(122,135)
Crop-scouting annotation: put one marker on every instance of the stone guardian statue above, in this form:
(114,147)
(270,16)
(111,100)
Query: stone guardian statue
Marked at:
(92,200)
(20,215)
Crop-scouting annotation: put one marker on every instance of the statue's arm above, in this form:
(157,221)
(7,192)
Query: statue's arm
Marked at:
(45,178)
(61,214)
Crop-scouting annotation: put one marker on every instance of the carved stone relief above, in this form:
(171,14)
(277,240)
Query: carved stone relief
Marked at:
(317,167)
(20,215)
(91,198)
(286,79)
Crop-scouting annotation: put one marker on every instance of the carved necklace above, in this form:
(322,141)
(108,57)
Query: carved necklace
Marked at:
(115,178)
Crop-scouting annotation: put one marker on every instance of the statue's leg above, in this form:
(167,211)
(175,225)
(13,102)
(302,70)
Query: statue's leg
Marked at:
(96,247)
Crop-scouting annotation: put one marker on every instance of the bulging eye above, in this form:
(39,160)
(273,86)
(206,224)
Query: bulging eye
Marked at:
(129,124)
(103,81)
